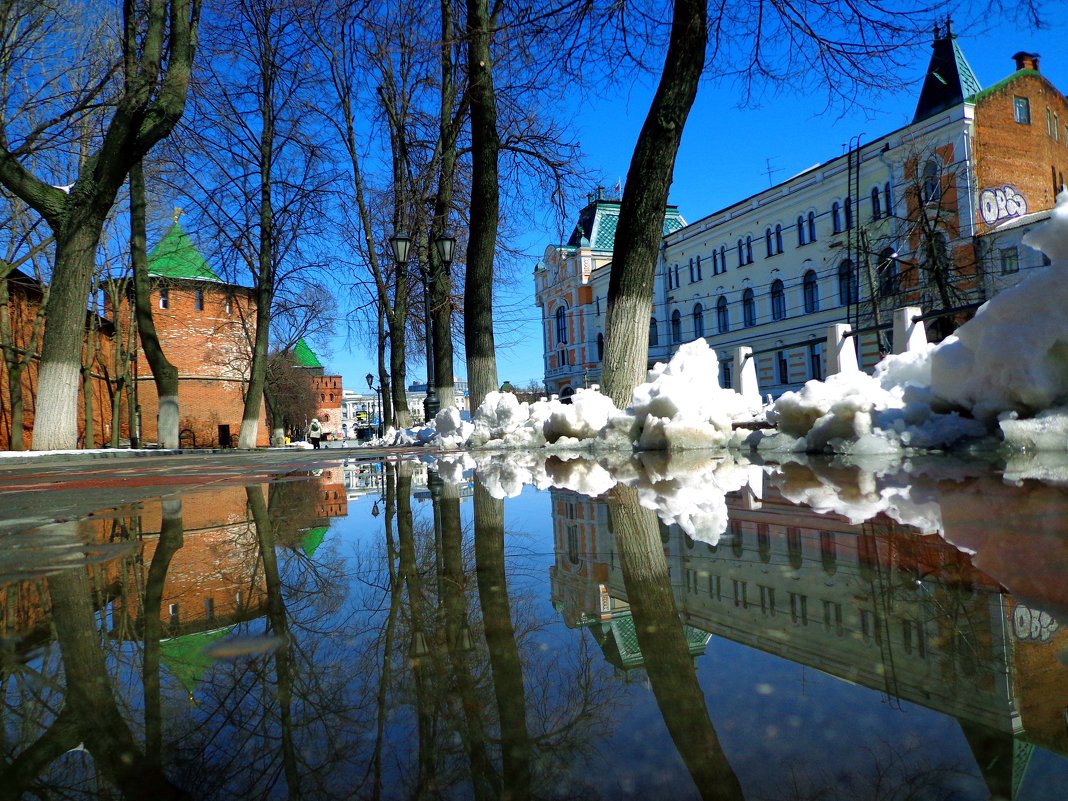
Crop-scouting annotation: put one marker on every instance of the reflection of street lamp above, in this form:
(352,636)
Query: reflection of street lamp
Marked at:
(378,392)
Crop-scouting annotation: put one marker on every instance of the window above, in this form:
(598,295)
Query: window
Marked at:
(723,258)
(229,304)
(698,321)
(740,598)
(561,326)
(815,361)
(172,611)
(715,262)
(888,200)
(676,326)
(800,231)
(598,299)
(741,253)
(799,608)
(782,367)
(847,287)
(876,206)
(812,292)
(828,552)
(887,272)
(748,309)
(778,300)
(572,544)
(749,250)
(767,243)
(931,186)
(698,268)
(198,299)
(849,213)
(164,297)
(677,276)
(836,217)
(767,600)
(1010,260)
(778,239)
(209,609)
(832,617)
(812,226)
(1021,110)
(723,320)
(692,274)
(793,547)
(600,347)
(654,334)
(1049,122)
(725,379)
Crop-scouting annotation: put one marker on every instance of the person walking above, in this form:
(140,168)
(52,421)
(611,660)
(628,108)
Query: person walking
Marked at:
(315,432)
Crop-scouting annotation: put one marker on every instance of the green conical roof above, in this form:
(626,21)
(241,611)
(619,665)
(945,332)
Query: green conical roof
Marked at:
(186,658)
(304,356)
(177,257)
(311,540)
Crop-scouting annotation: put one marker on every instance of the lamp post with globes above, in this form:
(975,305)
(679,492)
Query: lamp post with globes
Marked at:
(378,412)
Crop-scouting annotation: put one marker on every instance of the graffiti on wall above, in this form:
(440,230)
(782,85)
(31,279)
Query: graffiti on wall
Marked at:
(1032,624)
(1001,203)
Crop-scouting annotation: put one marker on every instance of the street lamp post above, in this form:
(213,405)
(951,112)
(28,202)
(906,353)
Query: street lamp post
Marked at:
(378,392)
(443,247)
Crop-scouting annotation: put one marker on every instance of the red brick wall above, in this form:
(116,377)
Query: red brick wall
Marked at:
(1022,156)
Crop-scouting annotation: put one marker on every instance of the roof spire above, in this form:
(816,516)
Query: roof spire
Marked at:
(950,79)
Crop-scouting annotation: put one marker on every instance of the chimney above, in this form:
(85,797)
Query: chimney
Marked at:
(1026,61)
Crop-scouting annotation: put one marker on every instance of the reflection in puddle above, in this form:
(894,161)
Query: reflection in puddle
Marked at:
(644,627)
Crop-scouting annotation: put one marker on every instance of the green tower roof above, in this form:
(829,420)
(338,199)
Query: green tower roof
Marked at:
(304,356)
(177,257)
(312,539)
(186,656)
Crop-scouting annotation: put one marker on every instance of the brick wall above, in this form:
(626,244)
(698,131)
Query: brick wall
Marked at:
(1023,156)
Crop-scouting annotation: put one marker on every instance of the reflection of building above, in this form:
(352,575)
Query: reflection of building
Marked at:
(875,604)
(931,214)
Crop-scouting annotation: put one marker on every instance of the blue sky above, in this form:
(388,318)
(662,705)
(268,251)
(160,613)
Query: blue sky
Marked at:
(725,155)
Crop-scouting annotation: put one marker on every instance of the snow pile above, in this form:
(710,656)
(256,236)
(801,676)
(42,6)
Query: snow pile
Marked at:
(682,405)
(1013,356)
(858,413)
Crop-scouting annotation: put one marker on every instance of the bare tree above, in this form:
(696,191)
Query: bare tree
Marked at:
(158,42)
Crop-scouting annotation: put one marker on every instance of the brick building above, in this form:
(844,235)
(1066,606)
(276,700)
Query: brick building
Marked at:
(931,215)
(327,388)
(21,297)
(205,326)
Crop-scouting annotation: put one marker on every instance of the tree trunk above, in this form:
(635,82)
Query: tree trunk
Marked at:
(665,648)
(164,374)
(397,370)
(55,425)
(88,433)
(641,213)
(484,207)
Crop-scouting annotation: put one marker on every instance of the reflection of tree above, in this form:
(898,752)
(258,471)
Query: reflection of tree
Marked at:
(89,696)
(500,641)
(664,646)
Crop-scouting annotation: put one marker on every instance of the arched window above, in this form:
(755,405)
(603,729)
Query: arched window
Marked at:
(849,213)
(715,262)
(749,250)
(698,268)
(691,270)
(812,226)
(931,186)
(723,320)
(800,231)
(888,200)
(887,273)
(600,347)
(198,299)
(847,289)
(676,326)
(698,321)
(723,258)
(812,292)
(767,242)
(836,217)
(778,300)
(828,552)
(741,253)
(793,548)
(164,297)
(748,309)
(876,206)
(561,325)
(778,238)
(654,333)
